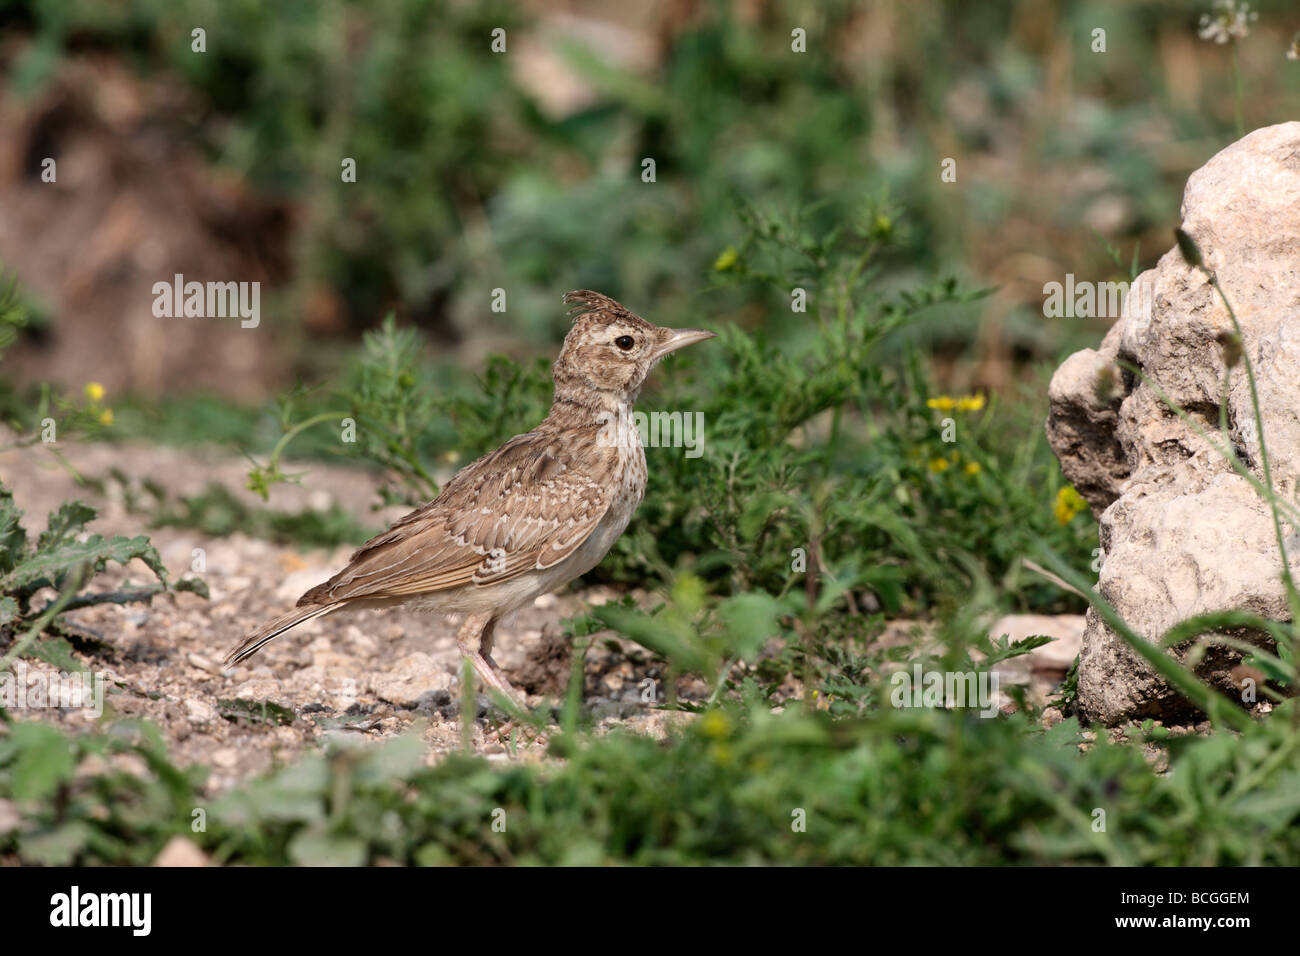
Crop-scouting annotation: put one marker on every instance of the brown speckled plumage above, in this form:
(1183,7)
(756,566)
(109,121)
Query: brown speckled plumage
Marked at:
(531,516)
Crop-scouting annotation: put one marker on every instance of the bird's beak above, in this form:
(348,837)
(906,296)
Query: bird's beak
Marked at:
(680,338)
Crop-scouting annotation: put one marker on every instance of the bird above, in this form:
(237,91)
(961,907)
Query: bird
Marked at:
(526,519)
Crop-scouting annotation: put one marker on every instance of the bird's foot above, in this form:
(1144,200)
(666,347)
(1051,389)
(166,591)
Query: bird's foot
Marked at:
(494,679)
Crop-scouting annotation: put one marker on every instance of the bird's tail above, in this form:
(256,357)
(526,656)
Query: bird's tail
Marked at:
(268,632)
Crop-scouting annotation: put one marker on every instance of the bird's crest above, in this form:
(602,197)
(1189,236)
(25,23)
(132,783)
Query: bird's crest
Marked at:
(584,301)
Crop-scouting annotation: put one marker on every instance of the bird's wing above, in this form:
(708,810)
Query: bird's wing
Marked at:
(526,506)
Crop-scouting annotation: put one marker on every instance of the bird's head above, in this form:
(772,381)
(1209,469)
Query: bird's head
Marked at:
(610,351)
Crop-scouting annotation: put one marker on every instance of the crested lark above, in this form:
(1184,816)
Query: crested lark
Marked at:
(528,518)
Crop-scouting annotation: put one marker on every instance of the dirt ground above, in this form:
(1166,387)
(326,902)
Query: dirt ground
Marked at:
(367,675)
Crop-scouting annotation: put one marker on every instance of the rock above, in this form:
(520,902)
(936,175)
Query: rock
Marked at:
(91,765)
(659,724)
(10,818)
(199,711)
(180,851)
(132,764)
(414,675)
(1082,427)
(430,702)
(603,708)
(483,707)
(1181,532)
(1056,656)
(261,687)
(1051,717)
(202,663)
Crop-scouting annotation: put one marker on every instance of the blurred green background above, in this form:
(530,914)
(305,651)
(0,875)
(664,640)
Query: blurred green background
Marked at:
(521,170)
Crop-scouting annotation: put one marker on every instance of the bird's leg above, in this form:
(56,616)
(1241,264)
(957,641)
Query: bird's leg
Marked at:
(485,641)
(475,642)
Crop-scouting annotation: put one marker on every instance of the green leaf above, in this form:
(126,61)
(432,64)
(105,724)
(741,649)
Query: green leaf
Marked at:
(1280,802)
(294,794)
(1004,650)
(255,711)
(58,847)
(749,620)
(45,760)
(8,610)
(395,758)
(657,634)
(96,551)
(54,651)
(1190,251)
(1275,669)
(13,540)
(194,586)
(760,511)
(318,847)
(1214,621)
(65,523)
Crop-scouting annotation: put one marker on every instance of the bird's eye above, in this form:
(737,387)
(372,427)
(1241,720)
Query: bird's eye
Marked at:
(624,342)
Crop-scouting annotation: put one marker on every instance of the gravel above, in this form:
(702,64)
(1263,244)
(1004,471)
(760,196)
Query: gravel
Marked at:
(364,674)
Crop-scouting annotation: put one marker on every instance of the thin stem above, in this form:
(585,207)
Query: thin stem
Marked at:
(288,436)
(1236,89)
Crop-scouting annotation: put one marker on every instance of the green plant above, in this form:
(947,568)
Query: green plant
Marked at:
(13,313)
(216,512)
(393,414)
(61,561)
(739,785)
(1229,22)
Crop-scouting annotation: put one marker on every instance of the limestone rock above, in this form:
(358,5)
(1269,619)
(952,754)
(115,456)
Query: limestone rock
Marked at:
(1056,657)
(1181,532)
(180,851)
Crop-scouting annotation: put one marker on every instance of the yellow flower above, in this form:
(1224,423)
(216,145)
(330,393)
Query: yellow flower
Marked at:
(715,724)
(938,464)
(1068,504)
(726,259)
(966,403)
(106,417)
(972,468)
(94,391)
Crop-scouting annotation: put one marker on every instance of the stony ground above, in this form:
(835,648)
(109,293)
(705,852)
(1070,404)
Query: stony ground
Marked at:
(367,675)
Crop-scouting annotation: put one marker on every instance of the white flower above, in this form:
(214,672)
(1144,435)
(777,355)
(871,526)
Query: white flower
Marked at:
(1229,20)
(1294,52)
